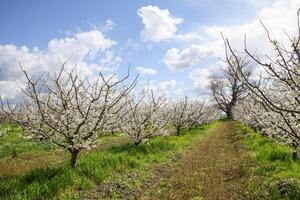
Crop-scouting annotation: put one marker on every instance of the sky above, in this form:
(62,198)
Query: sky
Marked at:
(175,46)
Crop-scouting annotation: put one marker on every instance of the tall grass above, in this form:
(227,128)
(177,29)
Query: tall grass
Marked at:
(279,174)
(63,183)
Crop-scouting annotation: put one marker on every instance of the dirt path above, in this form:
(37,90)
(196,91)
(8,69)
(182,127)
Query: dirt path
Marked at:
(217,167)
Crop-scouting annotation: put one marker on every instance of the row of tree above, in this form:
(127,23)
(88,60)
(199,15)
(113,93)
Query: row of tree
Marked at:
(74,111)
(271,102)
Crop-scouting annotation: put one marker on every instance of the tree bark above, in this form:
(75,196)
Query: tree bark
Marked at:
(229,114)
(295,152)
(74,154)
(295,155)
(178,130)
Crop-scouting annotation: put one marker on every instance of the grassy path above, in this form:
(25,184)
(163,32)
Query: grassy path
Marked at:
(217,167)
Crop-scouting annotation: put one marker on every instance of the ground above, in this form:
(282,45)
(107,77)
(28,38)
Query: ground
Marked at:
(215,166)
(224,160)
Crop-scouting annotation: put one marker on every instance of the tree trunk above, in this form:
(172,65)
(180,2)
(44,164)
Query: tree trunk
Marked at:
(229,114)
(294,155)
(74,154)
(113,132)
(178,130)
(295,152)
(254,128)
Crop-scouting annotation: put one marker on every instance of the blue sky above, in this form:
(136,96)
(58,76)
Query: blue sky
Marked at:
(35,22)
(174,44)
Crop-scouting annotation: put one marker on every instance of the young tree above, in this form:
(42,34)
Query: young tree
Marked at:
(211,114)
(3,119)
(188,114)
(68,108)
(144,116)
(178,117)
(195,111)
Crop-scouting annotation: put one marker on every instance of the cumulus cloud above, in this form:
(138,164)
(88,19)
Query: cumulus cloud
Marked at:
(208,41)
(201,80)
(104,28)
(279,15)
(177,59)
(167,85)
(159,24)
(276,17)
(146,70)
(82,45)
(173,89)
(189,37)
(90,51)
(168,88)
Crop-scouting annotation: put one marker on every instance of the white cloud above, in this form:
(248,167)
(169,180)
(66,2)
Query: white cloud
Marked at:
(104,28)
(131,45)
(109,25)
(177,60)
(201,80)
(281,14)
(167,85)
(10,89)
(159,24)
(110,61)
(276,17)
(189,37)
(84,50)
(81,46)
(168,88)
(146,70)
(172,89)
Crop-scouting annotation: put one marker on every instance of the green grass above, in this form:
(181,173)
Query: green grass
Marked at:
(12,145)
(64,183)
(279,175)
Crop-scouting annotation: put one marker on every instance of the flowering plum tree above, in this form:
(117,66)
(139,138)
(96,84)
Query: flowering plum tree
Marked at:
(69,109)
(179,111)
(145,116)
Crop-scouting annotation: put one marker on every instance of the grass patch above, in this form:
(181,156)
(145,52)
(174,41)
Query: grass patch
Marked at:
(279,175)
(13,145)
(64,183)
